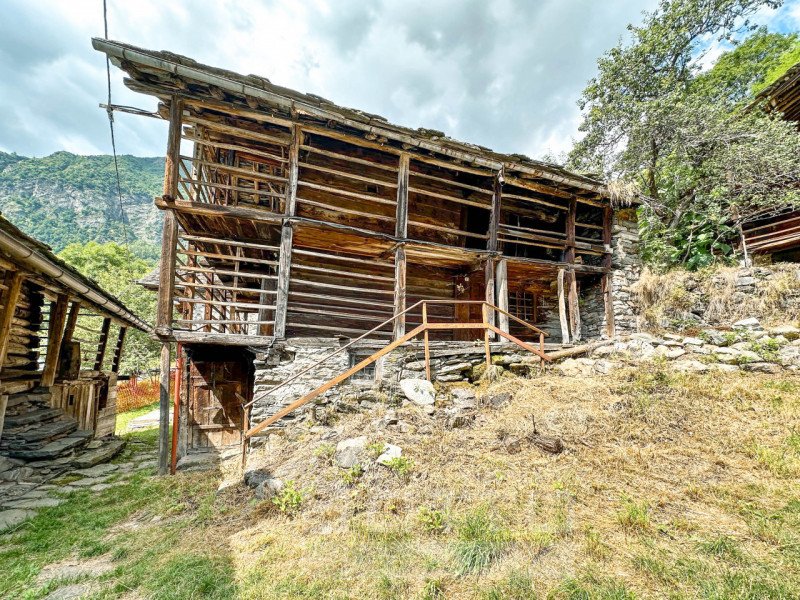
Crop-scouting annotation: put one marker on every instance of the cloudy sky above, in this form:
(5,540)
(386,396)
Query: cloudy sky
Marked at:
(503,73)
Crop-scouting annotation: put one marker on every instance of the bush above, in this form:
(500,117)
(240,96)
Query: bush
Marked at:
(432,521)
(290,499)
(400,465)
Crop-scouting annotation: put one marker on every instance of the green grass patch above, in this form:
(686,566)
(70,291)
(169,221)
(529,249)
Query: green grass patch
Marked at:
(482,539)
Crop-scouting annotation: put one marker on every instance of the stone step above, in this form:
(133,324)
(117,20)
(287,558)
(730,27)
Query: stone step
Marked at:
(36,395)
(54,449)
(89,458)
(46,432)
(39,415)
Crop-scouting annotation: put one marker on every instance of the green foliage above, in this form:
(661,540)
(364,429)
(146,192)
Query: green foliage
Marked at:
(634,516)
(432,520)
(481,541)
(375,449)
(400,465)
(65,198)
(325,452)
(516,586)
(653,119)
(290,499)
(352,475)
(115,269)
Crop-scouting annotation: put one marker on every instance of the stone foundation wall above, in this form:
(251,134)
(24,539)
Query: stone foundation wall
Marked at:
(627,269)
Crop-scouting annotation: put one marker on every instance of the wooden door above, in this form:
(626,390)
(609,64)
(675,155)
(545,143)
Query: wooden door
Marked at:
(215,410)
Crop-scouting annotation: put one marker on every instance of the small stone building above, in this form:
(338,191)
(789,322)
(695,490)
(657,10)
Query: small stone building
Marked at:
(295,229)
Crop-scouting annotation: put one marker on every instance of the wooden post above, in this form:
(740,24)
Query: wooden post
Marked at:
(58,315)
(608,298)
(287,236)
(13,283)
(486,311)
(489,297)
(102,344)
(494,216)
(166,281)
(163,406)
(569,257)
(176,407)
(401,232)
(399,291)
(574,307)
(427,341)
(72,320)
(3,406)
(501,275)
(562,311)
(118,350)
(173,157)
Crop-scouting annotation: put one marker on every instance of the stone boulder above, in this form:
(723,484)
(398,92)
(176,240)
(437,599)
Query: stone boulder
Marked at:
(390,451)
(749,324)
(419,391)
(269,488)
(349,452)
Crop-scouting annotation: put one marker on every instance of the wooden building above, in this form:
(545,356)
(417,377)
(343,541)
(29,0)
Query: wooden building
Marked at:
(61,338)
(775,234)
(287,217)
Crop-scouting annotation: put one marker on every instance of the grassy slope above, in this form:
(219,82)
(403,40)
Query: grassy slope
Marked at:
(671,486)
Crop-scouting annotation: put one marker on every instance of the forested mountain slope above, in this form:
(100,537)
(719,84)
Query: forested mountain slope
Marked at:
(65,198)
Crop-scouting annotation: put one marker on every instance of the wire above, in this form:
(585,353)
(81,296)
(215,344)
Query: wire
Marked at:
(110,113)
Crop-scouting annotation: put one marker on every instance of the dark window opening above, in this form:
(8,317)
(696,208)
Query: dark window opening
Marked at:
(372,188)
(368,373)
(71,401)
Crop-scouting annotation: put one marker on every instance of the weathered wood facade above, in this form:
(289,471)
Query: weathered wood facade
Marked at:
(287,216)
(55,328)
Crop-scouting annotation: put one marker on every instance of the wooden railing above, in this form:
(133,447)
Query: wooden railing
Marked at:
(426,327)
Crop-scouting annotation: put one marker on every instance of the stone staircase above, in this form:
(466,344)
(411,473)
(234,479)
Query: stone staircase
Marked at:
(39,442)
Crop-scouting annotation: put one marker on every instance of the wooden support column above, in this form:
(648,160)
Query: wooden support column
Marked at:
(401,231)
(173,157)
(163,406)
(176,408)
(572,282)
(486,311)
(118,350)
(13,283)
(102,344)
(608,297)
(287,235)
(166,281)
(562,310)
(72,320)
(8,300)
(58,315)
(489,275)
(494,215)
(501,282)
(427,341)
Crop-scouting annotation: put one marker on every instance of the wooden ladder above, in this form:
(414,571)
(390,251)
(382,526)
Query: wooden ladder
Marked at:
(424,329)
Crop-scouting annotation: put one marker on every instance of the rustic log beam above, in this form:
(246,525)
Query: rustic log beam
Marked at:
(501,282)
(8,300)
(102,344)
(494,216)
(171,170)
(115,361)
(166,284)
(399,328)
(489,295)
(58,316)
(562,311)
(163,412)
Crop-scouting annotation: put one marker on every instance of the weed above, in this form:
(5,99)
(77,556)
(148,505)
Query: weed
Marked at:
(722,546)
(595,547)
(432,521)
(325,452)
(517,586)
(375,449)
(433,590)
(400,465)
(634,516)
(766,348)
(591,587)
(352,475)
(289,499)
(481,540)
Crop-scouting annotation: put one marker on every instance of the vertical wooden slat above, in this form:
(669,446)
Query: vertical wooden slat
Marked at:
(489,297)
(287,234)
(494,216)
(163,406)
(13,282)
(118,350)
(574,307)
(166,283)
(399,291)
(401,215)
(486,311)
(562,311)
(72,320)
(501,273)
(171,169)
(176,407)
(571,282)
(427,342)
(102,344)
(58,315)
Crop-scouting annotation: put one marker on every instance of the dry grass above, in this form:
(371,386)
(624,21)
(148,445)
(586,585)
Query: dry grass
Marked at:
(664,297)
(670,486)
(658,467)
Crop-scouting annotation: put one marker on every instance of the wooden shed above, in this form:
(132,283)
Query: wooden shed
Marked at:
(61,338)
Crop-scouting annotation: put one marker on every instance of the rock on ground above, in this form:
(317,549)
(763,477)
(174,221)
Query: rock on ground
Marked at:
(349,452)
(419,391)
(389,452)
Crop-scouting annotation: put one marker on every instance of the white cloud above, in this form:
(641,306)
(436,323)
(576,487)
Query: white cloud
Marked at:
(504,74)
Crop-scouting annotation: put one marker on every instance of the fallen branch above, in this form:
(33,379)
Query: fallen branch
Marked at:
(585,348)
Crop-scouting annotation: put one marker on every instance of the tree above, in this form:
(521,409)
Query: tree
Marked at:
(651,117)
(115,269)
